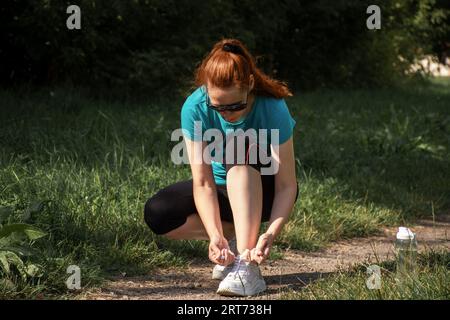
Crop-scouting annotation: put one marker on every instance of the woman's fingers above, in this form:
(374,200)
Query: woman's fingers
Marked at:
(231,257)
(261,245)
(214,253)
(260,255)
(220,253)
(217,259)
(223,255)
(255,256)
(228,257)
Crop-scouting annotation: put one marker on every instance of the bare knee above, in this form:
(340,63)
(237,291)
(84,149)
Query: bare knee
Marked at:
(242,169)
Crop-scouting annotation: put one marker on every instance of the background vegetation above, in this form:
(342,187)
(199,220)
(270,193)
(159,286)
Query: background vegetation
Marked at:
(154,45)
(428,282)
(85,116)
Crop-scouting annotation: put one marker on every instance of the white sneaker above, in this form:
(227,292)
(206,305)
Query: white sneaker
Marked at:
(244,279)
(220,272)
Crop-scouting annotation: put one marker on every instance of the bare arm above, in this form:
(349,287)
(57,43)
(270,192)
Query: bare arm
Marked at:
(205,194)
(285,187)
(207,204)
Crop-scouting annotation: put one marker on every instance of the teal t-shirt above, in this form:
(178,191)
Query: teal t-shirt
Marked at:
(267,113)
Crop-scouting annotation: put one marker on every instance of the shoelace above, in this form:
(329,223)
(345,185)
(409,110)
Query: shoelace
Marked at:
(236,269)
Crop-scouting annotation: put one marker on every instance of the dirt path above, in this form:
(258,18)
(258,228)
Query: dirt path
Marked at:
(296,269)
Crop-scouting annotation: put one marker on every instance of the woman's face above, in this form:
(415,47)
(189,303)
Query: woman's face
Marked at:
(231,95)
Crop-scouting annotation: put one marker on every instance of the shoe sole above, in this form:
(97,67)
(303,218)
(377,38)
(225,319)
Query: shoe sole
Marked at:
(228,293)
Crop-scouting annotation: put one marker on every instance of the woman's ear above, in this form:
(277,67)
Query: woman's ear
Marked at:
(252,82)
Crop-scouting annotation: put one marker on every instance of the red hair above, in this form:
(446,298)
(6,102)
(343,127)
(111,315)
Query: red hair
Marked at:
(223,68)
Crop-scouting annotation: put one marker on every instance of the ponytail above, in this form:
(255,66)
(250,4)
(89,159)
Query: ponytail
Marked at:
(230,63)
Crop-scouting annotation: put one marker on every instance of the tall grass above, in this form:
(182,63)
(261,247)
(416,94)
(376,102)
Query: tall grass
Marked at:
(430,281)
(364,159)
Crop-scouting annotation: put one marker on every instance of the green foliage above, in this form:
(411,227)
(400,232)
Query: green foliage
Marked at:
(154,45)
(430,282)
(15,244)
(329,44)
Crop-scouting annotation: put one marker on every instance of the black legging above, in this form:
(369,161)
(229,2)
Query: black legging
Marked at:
(169,208)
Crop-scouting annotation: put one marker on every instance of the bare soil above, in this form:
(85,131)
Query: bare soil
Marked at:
(295,270)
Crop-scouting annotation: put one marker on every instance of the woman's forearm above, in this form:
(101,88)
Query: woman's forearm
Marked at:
(205,198)
(282,206)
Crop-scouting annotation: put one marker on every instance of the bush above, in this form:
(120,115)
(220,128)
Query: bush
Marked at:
(153,45)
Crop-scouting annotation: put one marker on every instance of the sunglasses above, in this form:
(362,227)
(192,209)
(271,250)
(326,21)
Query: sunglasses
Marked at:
(227,107)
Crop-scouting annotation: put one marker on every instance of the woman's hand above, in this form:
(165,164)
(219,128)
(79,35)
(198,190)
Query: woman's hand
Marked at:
(219,251)
(261,252)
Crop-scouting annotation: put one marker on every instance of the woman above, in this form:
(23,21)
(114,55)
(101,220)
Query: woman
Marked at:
(227,200)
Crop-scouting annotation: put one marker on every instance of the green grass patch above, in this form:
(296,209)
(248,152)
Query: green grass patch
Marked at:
(430,281)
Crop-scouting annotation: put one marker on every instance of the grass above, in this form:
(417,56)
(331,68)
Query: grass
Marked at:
(430,281)
(364,159)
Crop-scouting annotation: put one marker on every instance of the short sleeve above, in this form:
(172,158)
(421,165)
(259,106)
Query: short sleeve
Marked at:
(191,122)
(283,121)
